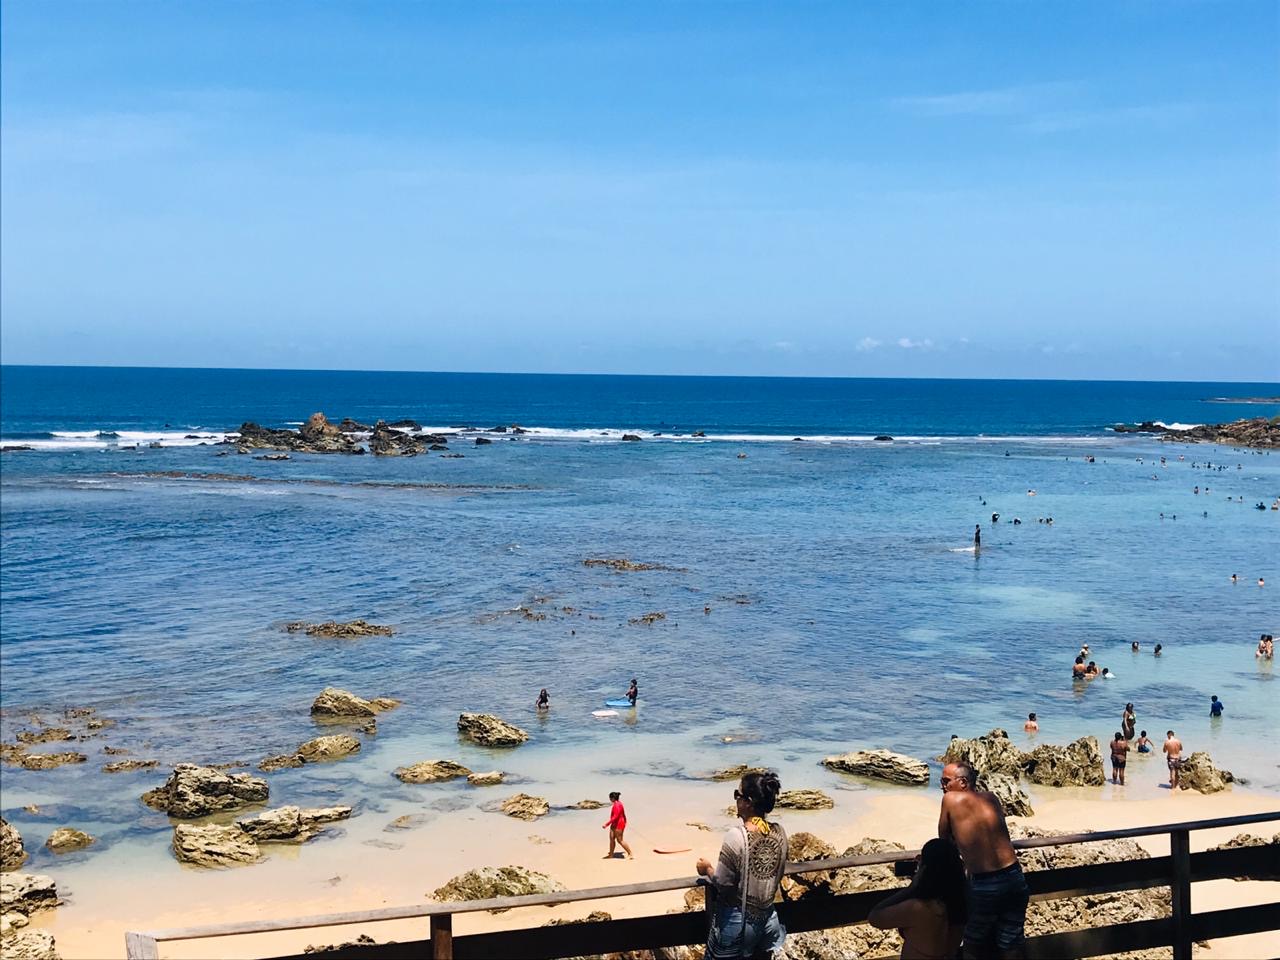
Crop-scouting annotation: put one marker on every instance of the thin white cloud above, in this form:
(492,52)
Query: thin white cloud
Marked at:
(997,102)
(906,343)
(867,344)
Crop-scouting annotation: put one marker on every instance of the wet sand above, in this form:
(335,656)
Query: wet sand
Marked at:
(368,866)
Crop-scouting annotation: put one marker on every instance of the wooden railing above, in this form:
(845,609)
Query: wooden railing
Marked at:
(1178,871)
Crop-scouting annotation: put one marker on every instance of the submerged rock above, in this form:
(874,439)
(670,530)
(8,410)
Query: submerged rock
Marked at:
(1077,764)
(194,791)
(1197,772)
(432,771)
(66,839)
(291,824)
(47,761)
(490,731)
(587,805)
(281,761)
(736,772)
(622,564)
(992,752)
(334,630)
(45,735)
(882,765)
(522,806)
(125,766)
(214,845)
(12,853)
(332,747)
(489,882)
(489,779)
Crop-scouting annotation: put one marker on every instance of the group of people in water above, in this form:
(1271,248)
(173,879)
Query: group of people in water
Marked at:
(967,890)
(1266,647)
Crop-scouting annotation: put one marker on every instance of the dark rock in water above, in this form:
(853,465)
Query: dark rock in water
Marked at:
(317,435)
(622,564)
(452,456)
(884,438)
(385,442)
(332,629)
(630,437)
(15,447)
(353,426)
(698,433)
(12,854)
(1256,432)
(516,428)
(273,456)
(497,430)
(437,446)
(405,424)
(194,791)
(481,441)
(798,440)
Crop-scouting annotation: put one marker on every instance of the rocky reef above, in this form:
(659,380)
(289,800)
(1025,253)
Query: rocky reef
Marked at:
(1259,432)
(490,731)
(335,630)
(193,791)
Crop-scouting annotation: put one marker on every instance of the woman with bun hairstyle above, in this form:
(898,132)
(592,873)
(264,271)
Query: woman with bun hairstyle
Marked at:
(747,876)
(930,913)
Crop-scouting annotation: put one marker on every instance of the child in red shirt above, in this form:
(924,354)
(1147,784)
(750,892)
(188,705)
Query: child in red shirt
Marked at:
(617,823)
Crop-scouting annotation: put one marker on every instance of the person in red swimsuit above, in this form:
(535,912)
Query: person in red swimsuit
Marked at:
(617,823)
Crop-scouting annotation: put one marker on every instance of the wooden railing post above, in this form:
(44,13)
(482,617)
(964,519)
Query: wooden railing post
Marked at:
(1180,852)
(140,946)
(442,936)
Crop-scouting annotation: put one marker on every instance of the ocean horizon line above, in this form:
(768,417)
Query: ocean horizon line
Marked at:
(633,376)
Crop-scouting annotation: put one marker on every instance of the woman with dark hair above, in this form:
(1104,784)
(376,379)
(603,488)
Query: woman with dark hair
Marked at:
(930,914)
(747,876)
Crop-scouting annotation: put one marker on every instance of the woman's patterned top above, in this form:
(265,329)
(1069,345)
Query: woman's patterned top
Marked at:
(766,856)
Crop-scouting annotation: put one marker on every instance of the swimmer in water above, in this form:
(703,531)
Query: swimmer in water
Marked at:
(1031,726)
(1134,646)
(1144,743)
(1091,670)
(1107,674)
(1234,579)
(544,700)
(1158,649)
(1077,669)
(977,536)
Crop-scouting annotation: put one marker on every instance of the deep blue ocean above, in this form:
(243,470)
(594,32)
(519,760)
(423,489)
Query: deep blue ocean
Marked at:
(824,600)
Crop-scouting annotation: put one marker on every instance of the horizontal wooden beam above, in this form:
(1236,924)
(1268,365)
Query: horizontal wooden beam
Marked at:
(680,883)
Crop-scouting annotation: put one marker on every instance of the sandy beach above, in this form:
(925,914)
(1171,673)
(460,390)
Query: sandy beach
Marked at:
(367,864)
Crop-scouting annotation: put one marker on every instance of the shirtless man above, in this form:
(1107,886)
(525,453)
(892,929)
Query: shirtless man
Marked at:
(1119,755)
(1032,725)
(1173,754)
(972,820)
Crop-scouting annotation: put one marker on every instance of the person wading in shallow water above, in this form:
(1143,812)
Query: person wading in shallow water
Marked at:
(998,894)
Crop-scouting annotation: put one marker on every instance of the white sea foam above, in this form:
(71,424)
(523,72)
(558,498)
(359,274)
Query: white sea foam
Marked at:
(122,439)
(1176,426)
(107,439)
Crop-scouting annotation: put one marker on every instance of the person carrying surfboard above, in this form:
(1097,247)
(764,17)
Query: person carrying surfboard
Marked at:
(617,823)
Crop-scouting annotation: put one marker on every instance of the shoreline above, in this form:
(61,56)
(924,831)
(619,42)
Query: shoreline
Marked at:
(366,864)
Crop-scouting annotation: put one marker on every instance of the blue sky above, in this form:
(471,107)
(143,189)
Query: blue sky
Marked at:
(1020,189)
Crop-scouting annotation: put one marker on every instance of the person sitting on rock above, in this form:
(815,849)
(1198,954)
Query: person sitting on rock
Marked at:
(930,914)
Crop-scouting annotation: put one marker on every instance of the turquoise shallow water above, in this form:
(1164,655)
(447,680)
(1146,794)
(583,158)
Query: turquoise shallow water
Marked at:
(844,612)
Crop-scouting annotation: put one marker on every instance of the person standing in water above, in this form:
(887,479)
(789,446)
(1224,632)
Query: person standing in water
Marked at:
(1119,755)
(977,536)
(1128,721)
(544,700)
(1032,725)
(633,692)
(1215,706)
(1173,755)
(617,823)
